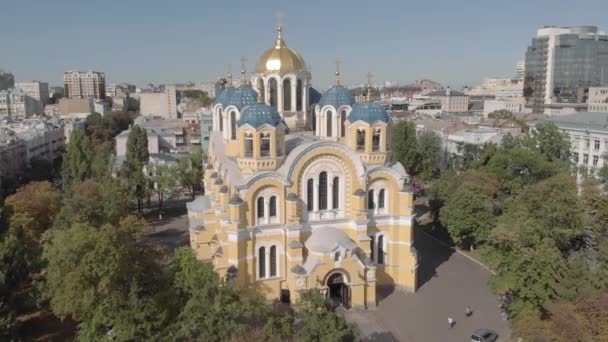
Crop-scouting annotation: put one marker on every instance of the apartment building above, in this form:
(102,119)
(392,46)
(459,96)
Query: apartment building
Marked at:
(161,103)
(598,99)
(36,89)
(85,84)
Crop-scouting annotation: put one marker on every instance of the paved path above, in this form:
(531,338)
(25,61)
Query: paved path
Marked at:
(448,283)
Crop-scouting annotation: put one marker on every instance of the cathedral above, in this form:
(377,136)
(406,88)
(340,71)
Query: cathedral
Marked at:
(300,189)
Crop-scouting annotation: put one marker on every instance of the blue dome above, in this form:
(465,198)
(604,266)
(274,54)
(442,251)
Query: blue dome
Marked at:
(242,96)
(337,96)
(369,112)
(313,96)
(224,96)
(259,114)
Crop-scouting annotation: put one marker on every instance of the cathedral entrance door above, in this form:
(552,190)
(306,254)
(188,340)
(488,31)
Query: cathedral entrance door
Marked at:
(338,290)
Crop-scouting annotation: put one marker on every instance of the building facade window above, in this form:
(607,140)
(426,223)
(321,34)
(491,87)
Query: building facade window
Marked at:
(381,253)
(273,207)
(596,145)
(586,143)
(370,199)
(273,261)
(260,207)
(376,140)
(360,139)
(575,157)
(372,247)
(232,125)
(265,144)
(342,120)
(585,158)
(262,262)
(335,193)
(381,199)
(595,160)
(220,120)
(310,194)
(323,191)
(248,145)
(328,125)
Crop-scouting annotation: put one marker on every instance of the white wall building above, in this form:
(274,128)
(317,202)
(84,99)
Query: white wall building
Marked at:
(515,105)
(42,140)
(588,133)
(598,99)
(15,104)
(159,103)
(36,89)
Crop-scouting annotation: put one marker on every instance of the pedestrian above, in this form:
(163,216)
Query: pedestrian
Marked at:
(451,322)
(467,311)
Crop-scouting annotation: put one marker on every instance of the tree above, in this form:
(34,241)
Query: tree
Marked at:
(208,308)
(136,158)
(552,143)
(77,159)
(429,152)
(405,147)
(164,180)
(468,215)
(190,171)
(99,276)
(131,105)
(32,210)
(319,322)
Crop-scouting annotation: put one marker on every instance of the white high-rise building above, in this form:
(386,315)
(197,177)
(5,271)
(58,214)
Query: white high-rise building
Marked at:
(36,89)
(85,84)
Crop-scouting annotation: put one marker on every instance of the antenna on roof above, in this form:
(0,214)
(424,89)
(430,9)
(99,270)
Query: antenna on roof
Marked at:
(338,61)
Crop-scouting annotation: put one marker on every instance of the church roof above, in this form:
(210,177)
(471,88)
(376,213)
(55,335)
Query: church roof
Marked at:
(369,112)
(224,96)
(259,114)
(325,240)
(337,96)
(314,96)
(242,96)
(280,59)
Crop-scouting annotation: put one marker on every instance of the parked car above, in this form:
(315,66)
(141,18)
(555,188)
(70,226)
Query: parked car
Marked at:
(484,335)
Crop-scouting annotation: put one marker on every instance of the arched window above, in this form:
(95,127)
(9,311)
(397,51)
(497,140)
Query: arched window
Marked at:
(335,193)
(342,120)
(337,256)
(248,144)
(328,120)
(381,199)
(360,139)
(376,140)
(221,120)
(273,261)
(260,207)
(299,95)
(261,89)
(370,199)
(262,262)
(381,249)
(265,144)
(310,194)
(287,94)
(273,87)
(314,122)
(372,247)
(323,190)
(232,125)
(273,206)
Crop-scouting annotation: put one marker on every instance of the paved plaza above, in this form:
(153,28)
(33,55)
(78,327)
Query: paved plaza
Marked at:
(449,282)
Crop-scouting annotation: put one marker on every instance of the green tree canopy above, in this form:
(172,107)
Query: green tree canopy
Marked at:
(77,159)
(405,146)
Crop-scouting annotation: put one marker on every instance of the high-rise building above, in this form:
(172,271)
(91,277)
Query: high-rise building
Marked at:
(15,104)
(36,89)
(561,64)
(598,99)
(159,103)
(7,80)
(85,84)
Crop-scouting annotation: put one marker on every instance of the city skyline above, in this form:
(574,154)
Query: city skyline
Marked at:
(189,41)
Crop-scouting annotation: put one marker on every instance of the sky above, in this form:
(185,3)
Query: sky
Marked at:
(148,41)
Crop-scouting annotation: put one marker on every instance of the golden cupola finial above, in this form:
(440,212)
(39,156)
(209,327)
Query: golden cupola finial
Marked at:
(243,70)
(229,84)
(338,71)
(369,87)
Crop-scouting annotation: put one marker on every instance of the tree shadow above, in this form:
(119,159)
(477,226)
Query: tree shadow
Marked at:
(431,253)
(383,336)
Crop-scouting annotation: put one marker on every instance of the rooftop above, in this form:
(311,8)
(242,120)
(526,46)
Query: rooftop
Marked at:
(597,121)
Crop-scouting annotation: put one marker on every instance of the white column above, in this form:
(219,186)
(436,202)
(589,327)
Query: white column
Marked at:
(294,82)
(316,195)
(266,91)
(266,211)
(280,95)
(376,202)
(305,96)
(330,192)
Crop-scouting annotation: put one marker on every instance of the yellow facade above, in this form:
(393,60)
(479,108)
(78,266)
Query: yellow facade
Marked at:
(306,211)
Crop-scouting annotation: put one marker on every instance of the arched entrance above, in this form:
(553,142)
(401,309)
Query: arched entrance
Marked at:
(338,291)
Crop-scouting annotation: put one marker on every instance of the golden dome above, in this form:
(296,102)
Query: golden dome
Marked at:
(280,59)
